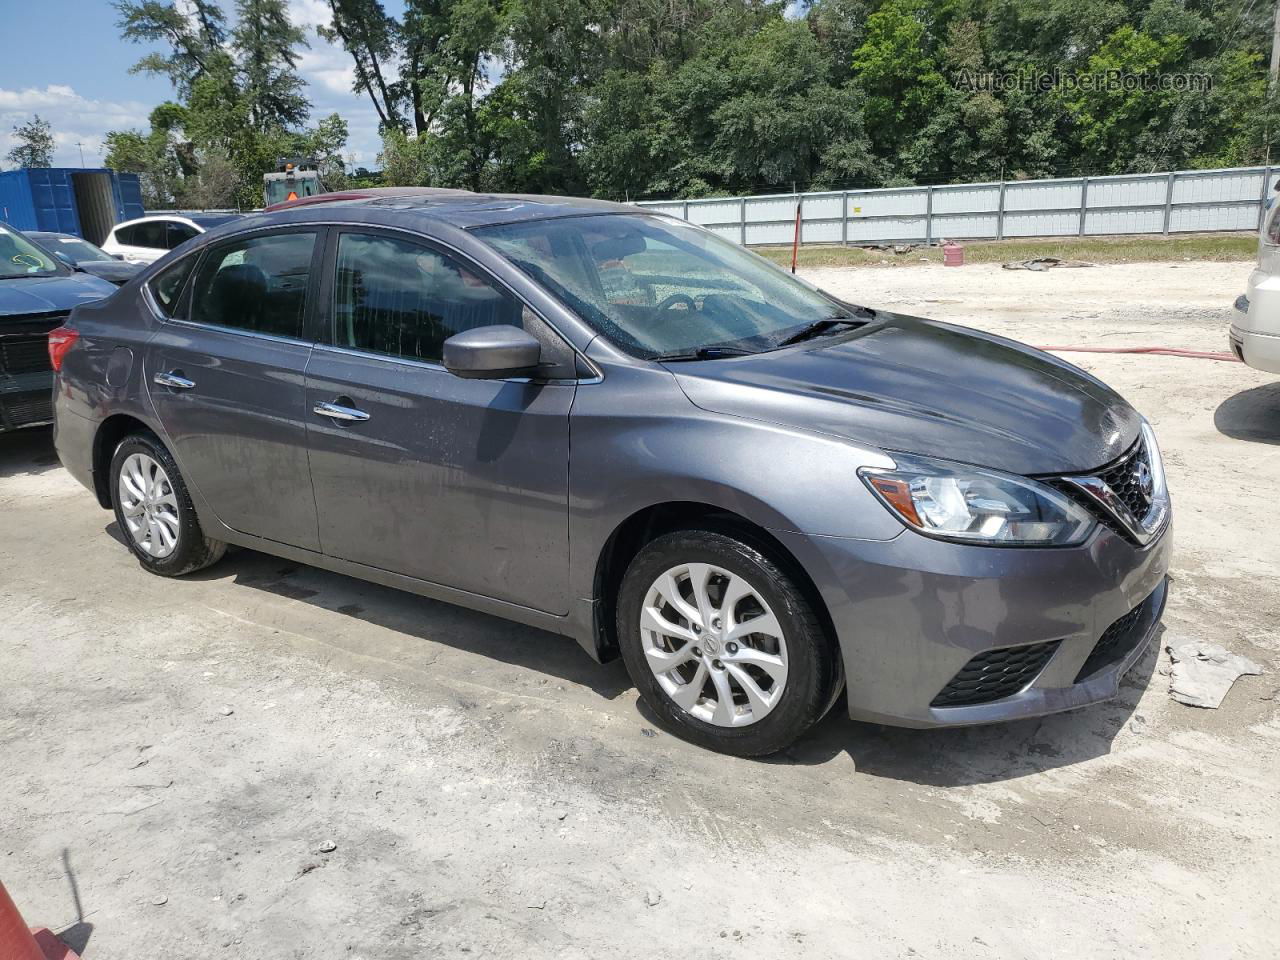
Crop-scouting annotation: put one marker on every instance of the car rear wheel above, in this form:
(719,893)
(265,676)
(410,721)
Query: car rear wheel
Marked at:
(154,511)
(723,645)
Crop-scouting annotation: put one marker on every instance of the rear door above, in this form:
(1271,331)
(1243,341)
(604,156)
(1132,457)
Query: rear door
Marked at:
(458,482)
(226,378)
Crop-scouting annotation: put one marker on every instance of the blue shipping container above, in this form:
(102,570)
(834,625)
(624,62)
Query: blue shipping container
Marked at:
(87,203)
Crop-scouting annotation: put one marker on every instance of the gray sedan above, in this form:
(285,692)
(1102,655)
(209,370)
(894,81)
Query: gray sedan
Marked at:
(622,428)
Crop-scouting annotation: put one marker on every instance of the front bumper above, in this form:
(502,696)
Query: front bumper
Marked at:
(912,612)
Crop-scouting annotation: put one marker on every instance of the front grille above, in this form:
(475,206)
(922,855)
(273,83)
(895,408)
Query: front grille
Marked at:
(1090,504)
(24,354)
(1123,480)
(995,674)
(25,410)
(1124,477)
(1119,639)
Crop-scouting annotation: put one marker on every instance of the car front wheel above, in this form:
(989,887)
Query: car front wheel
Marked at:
(154,511)
(723,645)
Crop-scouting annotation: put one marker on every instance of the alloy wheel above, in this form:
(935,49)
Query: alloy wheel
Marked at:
(149,506)
(714,645)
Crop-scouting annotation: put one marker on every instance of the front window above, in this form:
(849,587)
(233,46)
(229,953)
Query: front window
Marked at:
(19,257)
(657,287)
(399,298)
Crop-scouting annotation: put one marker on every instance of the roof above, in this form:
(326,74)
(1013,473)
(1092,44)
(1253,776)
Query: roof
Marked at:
(458,208)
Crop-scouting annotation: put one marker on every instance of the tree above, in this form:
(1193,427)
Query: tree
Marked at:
(369,36)
(191,36)
(35,144)
(265,42)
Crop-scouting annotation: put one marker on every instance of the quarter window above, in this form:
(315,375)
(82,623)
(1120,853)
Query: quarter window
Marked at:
(257,283)
(179,233)
(150,233)
(404,299)
(167,286)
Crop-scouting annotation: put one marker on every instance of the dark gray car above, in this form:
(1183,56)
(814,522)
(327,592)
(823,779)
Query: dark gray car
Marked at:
(620,427)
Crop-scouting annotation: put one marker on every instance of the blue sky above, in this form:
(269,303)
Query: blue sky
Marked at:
(64,60)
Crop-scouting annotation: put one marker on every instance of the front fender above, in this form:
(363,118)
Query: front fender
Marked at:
(640,442)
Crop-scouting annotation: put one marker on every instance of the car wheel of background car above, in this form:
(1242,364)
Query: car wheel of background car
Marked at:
(723,645)
(154,511)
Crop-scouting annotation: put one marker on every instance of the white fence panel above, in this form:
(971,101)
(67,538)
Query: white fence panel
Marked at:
(971,198)
(1169,202)
(1101,222)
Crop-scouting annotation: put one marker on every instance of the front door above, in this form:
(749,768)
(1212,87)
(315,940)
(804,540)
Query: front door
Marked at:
(226,377)
(458,482)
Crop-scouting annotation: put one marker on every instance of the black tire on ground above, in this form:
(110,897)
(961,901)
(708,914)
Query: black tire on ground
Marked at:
(814,671)
(194,550)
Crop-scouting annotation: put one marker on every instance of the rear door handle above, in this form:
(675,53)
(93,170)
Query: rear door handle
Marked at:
(173,379)
(337,411)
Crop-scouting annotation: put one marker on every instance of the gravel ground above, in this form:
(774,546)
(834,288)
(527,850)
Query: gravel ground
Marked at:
(267,761)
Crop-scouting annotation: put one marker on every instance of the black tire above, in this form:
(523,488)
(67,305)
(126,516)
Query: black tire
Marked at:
(194,551)
(814,672)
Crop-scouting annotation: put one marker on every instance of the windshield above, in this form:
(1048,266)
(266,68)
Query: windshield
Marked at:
(19,257)
(657,286)
(291,189)
(70,248)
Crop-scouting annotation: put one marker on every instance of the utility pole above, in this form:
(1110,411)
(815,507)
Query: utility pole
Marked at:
(81,145)
(1275,46)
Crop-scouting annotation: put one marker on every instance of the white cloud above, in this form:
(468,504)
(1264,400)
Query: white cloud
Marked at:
(73,118)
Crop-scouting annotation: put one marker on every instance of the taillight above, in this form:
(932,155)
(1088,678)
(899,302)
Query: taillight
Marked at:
(60,341)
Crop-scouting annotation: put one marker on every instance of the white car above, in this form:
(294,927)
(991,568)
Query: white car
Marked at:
(147,239)
(1255,330)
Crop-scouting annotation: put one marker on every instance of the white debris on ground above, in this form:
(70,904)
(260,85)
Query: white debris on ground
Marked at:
(1040,264)
(1204,672)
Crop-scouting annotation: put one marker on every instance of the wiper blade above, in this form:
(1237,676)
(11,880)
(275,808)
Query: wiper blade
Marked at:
(820,326)
(703,353)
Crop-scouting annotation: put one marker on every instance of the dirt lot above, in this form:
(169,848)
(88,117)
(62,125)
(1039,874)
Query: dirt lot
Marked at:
(190,745)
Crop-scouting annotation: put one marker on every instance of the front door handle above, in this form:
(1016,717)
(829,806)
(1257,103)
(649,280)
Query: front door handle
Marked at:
(337,411)
(173,379)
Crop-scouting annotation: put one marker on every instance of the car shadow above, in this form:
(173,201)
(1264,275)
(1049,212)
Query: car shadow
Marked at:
(953,757)
(1252,414)
(965,756)
(427,620)
(27,452)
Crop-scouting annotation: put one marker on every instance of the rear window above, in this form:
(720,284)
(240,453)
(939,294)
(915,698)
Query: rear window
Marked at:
(150,233)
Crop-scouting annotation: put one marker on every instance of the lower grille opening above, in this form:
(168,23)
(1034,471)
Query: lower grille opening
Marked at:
(995,674)
(1119,639)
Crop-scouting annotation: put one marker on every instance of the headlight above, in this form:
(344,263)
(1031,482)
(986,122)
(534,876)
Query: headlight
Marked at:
(968,504)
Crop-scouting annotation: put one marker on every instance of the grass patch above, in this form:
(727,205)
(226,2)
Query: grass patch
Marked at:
(1128,249)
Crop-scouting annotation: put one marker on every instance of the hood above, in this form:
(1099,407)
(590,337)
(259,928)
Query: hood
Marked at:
(118,272)
(27,295)
(917,386)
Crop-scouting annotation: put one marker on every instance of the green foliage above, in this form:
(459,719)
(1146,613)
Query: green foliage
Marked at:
(35,144)
(240,104)
(642,98)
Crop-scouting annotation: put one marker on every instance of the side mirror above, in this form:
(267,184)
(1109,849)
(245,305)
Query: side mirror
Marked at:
(492,353)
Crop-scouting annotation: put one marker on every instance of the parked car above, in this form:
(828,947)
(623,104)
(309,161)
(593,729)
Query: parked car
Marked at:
(1255,330)
(37,293)
(82,255)
(617,426)
(149,238)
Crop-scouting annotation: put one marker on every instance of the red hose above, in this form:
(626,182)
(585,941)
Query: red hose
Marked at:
(1161,351)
